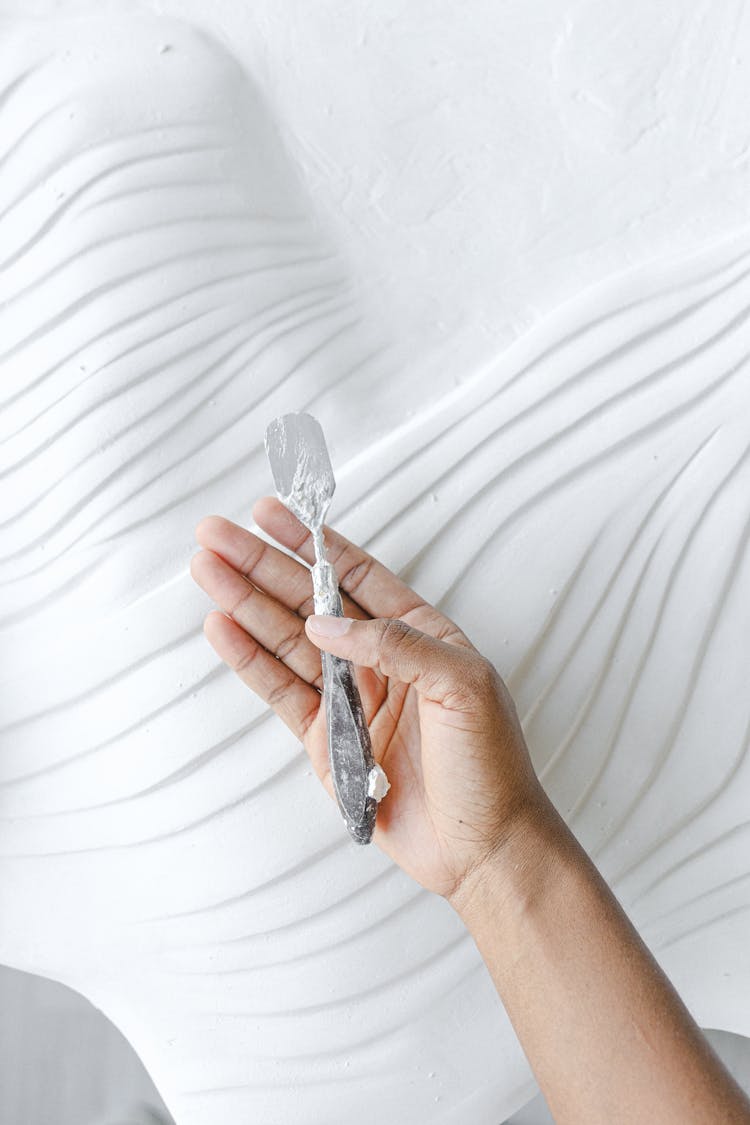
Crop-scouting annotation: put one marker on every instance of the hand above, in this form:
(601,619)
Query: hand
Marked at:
(442,723)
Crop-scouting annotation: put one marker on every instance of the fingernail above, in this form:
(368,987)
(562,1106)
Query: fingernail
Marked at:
(328,626)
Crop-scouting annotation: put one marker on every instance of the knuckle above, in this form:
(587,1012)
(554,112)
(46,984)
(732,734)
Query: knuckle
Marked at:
(279,692)
(474,680)
(396,634)
(482,674)
(241,601)
(452,635)
(353,576)
(398,646)
(303,538)
(245,660)
(308,719)
(253,557)
(286,647)
(306,607)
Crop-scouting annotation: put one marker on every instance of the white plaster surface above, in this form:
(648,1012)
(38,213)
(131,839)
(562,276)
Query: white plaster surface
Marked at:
(63,1062)
(502,252)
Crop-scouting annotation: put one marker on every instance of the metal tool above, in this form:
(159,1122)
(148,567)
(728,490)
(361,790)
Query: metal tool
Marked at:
(305,483)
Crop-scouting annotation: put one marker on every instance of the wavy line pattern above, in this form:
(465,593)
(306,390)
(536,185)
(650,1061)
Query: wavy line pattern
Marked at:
(167,289)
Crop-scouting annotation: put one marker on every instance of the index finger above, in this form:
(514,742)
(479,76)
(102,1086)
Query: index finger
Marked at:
(369,583)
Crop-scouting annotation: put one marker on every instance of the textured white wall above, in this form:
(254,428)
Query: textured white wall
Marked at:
(502,252)
(63,1063)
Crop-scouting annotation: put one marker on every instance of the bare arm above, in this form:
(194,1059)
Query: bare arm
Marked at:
(606,1034)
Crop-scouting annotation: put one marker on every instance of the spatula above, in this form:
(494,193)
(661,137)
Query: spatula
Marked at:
(305,483)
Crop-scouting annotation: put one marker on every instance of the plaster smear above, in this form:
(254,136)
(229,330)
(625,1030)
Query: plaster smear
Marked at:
(172,277)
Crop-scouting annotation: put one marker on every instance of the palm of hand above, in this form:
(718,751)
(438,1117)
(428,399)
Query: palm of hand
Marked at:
(432,758)
(391,710)
(417,817)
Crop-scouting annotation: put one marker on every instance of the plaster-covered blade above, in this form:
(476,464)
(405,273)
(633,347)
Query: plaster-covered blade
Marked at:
(301,467)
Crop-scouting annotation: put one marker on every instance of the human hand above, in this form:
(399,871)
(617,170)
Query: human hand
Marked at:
(442,723)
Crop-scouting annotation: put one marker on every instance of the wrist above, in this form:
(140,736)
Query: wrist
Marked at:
(511,876)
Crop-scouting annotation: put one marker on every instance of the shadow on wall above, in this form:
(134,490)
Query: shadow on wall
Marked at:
(139,1115)
(63,1063)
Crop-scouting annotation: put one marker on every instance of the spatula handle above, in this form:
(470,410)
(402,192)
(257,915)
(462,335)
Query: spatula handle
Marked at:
(349,747)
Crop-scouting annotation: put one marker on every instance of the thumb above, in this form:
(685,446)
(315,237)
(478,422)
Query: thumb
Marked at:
(438,670)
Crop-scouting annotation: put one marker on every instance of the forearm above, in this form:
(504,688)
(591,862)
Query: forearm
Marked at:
(605,1032)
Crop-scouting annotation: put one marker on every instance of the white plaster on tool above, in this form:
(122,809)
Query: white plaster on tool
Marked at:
(358,215)
(377,782)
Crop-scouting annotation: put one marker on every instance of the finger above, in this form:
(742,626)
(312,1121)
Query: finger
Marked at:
(458,678)
(372,585)
(293,700)
(264,565)
(368,582)
(276,628)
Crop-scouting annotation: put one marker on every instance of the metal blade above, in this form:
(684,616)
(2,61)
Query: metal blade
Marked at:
(301,467)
